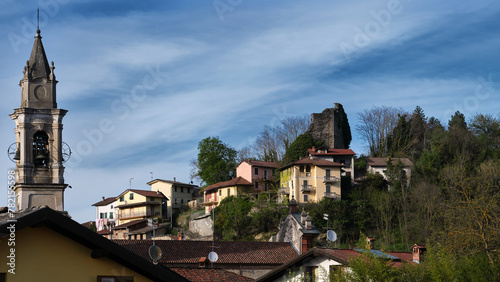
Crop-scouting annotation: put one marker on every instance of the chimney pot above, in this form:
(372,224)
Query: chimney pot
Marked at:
(103,198)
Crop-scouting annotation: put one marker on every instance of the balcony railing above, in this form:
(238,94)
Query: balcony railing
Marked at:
(332,195)
(304,174)
(330,179)
(306,188)
(284,190)
(137,214)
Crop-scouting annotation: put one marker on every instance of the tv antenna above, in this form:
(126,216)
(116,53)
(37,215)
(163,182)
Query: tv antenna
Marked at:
(130,182)
(213,256)
(154,251)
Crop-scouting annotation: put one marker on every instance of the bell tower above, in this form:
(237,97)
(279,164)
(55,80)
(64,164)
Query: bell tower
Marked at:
(39,158)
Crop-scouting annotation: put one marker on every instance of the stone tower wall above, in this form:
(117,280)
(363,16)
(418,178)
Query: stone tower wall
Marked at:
(325,126)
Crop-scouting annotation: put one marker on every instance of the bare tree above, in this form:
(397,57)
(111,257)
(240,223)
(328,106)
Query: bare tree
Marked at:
(272,142)
(376,124)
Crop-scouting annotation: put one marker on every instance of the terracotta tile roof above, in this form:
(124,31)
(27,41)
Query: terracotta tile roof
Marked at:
(104,232)
(313,161)
(261,163)
(331,152)
(88,224)
(147,193)
(171,182)
(105,202)
(190,252)
(383,161)
(208,274)
(130,223)
(404,256)
(233,182)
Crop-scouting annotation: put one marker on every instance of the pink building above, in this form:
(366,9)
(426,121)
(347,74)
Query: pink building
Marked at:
(259,173)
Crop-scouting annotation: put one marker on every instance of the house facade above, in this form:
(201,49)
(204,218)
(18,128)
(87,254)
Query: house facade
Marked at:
(310,179)
(379,165)
(135,204)
(259,173)
(50,246)
(215,193)
(342,156)
(297,229)
(106,213)
(177,193)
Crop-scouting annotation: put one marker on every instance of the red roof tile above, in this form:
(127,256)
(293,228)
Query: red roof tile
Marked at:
(130,223)
(104,202)
(147,193)
(208,274)
(383,161)
(331,152)
(233,182)
(261,163)
(314,161)
(190,252)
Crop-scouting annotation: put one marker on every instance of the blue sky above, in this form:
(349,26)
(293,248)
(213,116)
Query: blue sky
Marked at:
(145,81)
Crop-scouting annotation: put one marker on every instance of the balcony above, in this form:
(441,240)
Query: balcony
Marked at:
(332,195)
(306,188)
(304,174)
(330,179)
(122,215)
(284,190)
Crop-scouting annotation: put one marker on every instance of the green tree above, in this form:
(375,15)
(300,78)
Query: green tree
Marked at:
(232,221)
(216,161)
(298,148)
(457,121)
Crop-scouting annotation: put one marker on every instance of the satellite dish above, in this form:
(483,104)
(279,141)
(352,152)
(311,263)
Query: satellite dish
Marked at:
(331,235)
(155,253)
(213,256)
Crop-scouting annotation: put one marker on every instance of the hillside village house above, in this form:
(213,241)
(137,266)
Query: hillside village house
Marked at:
(105,213)
(215,193)
(259,173)
(342,156)
(135,204)
(177,193)
(379,165)
(310,179)
(318,264)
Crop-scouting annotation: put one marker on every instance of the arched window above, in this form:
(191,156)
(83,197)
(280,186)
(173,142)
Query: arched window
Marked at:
(41,149)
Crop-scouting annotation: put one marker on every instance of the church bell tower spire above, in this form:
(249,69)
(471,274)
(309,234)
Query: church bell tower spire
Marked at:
(39,166)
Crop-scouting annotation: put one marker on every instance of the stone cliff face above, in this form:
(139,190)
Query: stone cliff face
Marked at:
(328,127)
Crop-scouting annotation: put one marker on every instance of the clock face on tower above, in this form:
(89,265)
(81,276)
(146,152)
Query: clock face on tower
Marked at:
(40,93)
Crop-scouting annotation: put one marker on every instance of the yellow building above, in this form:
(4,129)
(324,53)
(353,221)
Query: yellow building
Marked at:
(177,193)
(135,204)
(310,179)
(215,193)
(46,245)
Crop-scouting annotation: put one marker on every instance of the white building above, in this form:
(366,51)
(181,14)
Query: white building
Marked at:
(105,213)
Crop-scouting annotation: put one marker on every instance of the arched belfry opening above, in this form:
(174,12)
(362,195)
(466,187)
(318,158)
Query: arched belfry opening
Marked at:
(41,155)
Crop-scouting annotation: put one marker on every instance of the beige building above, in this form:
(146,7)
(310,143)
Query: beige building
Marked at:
(135,204)
(215,193)
(177,193)
(379,165)
(310,179)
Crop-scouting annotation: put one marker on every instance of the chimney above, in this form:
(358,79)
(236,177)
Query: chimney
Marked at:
(308,223)
(292,206)
(181,236)
(202,262)
(303,217)
(103,198)
(314,149)
(418,253)
(174,179)
(370,243)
